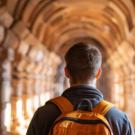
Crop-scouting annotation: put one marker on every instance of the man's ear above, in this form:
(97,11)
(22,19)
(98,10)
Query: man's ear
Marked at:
(66,72)
(98,73)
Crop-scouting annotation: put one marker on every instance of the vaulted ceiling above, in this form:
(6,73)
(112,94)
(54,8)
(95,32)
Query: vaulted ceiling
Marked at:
(54,23)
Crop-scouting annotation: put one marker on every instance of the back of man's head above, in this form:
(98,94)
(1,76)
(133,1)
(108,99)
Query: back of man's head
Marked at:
(83,62)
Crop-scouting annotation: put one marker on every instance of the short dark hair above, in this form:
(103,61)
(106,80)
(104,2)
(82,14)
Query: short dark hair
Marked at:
(83,61)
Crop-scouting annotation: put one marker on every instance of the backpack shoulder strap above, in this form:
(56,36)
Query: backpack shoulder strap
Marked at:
(103,107)
(63,104)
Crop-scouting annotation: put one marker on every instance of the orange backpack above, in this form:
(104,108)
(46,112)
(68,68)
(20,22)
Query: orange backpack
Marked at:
(83,121)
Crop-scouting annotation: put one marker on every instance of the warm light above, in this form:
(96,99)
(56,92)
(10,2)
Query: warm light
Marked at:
(21,130)
(119,95)
(19,109)
(7,117)
(19,115)
(29,108)
(47,96)
(36,102)
(44,97)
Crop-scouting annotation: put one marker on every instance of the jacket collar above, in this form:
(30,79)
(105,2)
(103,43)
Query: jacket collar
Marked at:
(76,93)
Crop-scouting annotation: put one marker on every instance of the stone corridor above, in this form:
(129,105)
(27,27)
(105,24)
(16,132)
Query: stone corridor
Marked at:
(34,36)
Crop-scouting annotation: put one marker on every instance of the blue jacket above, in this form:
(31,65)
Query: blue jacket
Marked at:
(46,115)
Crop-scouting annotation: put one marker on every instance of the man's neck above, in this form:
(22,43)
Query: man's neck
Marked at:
(90,83)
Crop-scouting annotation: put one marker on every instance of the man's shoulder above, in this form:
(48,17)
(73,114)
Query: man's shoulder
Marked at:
(43,119)
(116,113)
(47,113)
(48,108)
(119,122)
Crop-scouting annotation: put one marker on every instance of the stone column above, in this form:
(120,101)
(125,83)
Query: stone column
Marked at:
(5,91)
(2,57)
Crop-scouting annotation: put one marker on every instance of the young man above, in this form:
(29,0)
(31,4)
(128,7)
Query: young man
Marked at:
(83,68)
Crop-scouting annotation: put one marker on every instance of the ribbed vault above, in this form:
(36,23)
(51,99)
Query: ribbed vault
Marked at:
(34,36)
